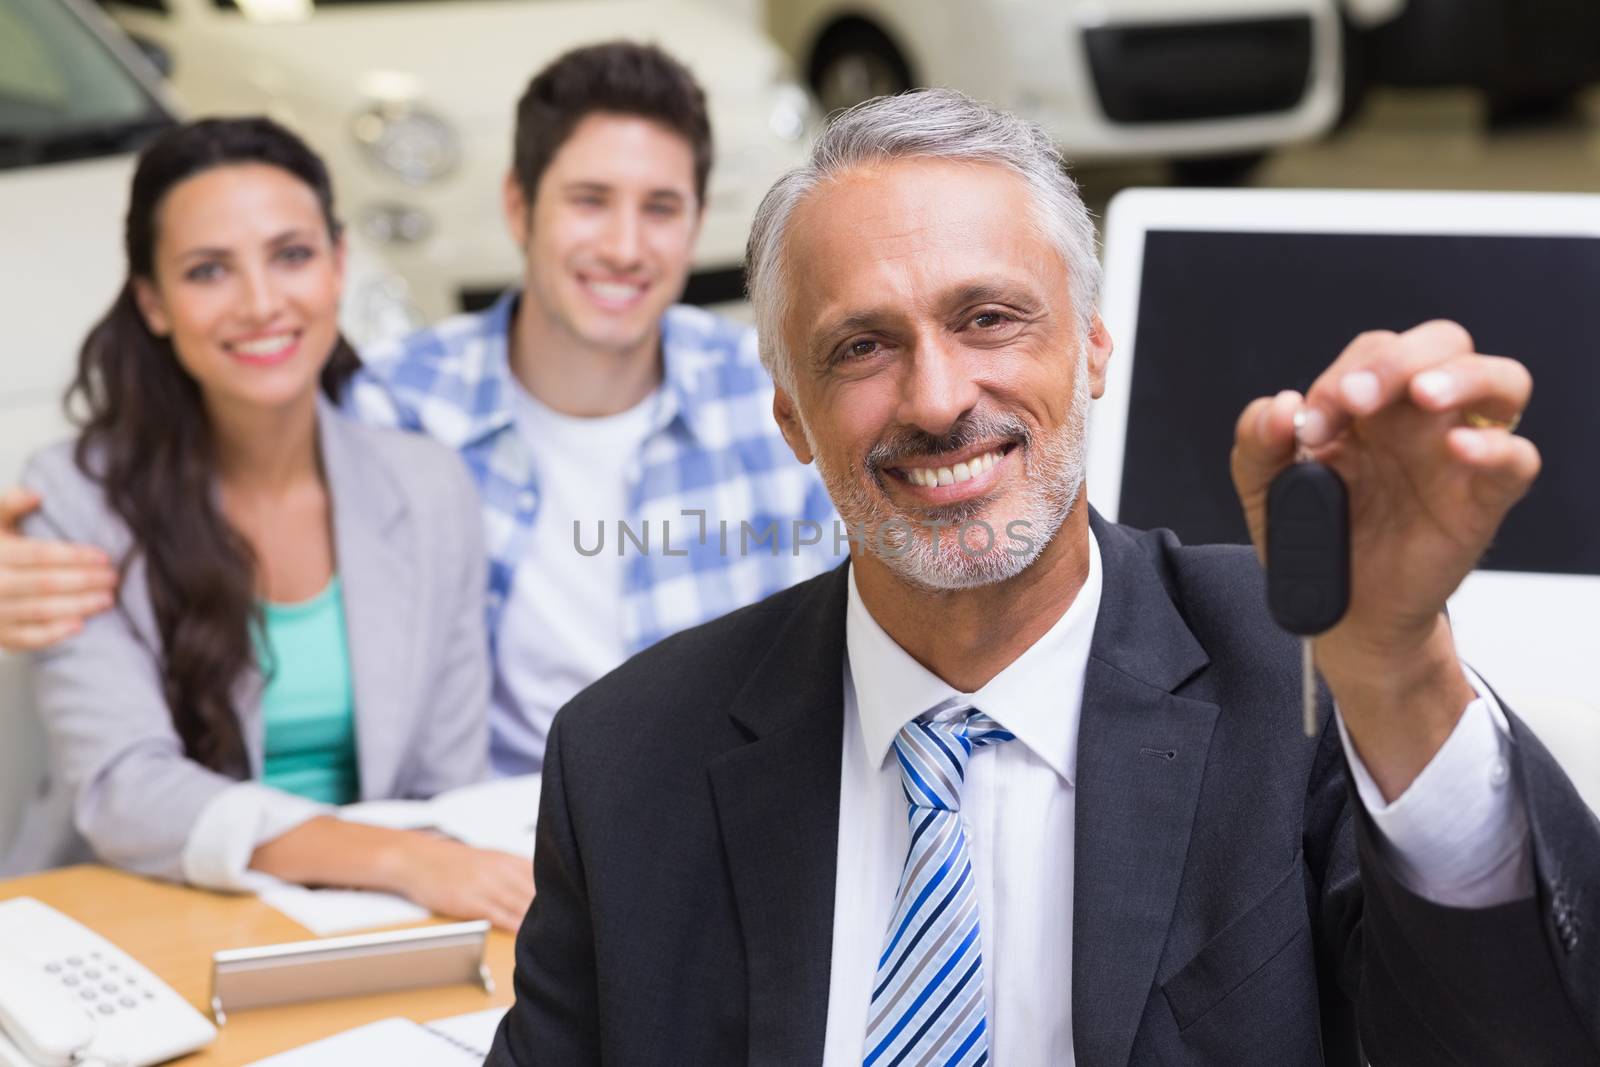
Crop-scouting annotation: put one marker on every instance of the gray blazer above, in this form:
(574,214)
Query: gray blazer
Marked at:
(408,544)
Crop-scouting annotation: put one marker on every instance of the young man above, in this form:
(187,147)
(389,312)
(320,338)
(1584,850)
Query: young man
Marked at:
(1050,801)
(632,480)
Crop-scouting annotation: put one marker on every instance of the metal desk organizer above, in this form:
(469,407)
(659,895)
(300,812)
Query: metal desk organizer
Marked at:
(355,965)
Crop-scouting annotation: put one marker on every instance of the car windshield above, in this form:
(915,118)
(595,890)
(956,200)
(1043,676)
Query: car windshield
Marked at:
(63,94)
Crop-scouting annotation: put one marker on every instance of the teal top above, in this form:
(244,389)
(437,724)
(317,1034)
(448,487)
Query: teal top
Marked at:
(308,706)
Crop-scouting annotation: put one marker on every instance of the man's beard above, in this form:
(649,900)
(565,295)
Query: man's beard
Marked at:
(1053,467)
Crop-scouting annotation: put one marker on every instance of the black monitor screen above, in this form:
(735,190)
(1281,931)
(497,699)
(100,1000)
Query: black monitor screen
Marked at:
(1226,317)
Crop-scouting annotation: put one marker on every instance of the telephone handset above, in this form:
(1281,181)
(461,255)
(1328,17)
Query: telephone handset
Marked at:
(68,996)
(43,1022)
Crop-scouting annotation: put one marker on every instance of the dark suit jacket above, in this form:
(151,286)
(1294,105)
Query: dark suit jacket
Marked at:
(1230,907)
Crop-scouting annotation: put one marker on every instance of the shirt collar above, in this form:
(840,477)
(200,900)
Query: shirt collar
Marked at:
(687,363)
(1038,696)
(495,392)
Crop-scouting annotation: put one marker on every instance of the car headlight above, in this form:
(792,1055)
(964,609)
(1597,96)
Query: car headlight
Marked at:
(413,143)
(791,111)
(396,224)
(378,308)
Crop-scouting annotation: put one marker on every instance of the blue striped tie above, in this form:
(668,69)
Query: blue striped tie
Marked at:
(927,999)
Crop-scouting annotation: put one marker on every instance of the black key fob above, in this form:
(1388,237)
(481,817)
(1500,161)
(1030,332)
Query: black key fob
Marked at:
(1308,548)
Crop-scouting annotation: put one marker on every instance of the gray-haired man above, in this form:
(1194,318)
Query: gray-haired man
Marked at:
(1044,799)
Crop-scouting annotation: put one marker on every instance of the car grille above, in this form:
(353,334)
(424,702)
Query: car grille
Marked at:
(1212,70)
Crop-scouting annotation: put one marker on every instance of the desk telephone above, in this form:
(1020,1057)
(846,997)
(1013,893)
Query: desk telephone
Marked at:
(68,996)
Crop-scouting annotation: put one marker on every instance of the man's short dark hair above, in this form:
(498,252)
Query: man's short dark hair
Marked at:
(620,78)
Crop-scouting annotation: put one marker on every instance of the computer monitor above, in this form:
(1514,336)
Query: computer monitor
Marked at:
(1215,297)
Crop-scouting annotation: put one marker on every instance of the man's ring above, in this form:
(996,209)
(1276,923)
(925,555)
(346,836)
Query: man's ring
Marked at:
(1484,422)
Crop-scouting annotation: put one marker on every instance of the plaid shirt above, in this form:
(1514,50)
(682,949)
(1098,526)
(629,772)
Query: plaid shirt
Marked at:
(714,449)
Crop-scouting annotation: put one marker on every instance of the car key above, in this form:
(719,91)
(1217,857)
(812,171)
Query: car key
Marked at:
(1308,557)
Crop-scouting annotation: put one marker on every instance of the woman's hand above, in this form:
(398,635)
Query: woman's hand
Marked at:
(457,880)
(442,875)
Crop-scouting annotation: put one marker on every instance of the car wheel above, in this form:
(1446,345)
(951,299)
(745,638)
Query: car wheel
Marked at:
(1213,171)
(856,61)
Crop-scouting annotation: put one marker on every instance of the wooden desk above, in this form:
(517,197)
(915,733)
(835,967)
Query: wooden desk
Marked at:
(174,929)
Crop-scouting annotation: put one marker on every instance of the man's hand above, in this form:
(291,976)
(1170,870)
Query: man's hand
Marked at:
(47,588)
(1427,493)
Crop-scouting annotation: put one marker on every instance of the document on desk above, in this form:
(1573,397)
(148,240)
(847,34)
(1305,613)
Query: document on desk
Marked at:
(497,814)
(339,911)
(461,1040)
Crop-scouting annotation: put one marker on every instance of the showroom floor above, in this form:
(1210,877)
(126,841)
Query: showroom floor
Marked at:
(1418,140)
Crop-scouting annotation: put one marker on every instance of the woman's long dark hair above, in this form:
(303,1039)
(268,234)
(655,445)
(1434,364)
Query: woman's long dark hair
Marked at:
(146,439)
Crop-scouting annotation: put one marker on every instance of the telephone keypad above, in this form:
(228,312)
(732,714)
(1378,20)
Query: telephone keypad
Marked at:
(86,978)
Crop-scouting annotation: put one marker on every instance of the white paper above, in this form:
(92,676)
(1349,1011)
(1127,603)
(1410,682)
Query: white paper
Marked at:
(337,911)
(497,814)
(475,1030)
(391,814)
(390,1042)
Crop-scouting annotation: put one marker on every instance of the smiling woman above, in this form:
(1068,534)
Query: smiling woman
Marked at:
(299,618)
(232,245)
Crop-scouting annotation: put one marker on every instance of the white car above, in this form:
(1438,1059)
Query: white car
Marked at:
(412,103)
(71,118)
(1213,84)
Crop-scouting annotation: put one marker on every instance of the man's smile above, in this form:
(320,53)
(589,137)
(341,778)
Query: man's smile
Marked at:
(954,476)
(613,294)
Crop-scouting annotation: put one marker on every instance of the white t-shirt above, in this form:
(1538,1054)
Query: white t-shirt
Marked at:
(562,626)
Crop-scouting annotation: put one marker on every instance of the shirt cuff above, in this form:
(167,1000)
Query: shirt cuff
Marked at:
(230,828)
(1458,836)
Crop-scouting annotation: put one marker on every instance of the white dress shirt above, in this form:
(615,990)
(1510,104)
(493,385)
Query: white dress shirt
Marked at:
(1457,836)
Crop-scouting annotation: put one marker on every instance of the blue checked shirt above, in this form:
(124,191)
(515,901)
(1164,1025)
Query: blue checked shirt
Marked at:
(727,505)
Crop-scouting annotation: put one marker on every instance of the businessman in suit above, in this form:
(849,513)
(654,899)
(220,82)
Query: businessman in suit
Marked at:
(1021,786)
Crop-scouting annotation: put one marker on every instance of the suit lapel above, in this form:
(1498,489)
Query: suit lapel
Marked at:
(1141,758)
(777,801)
(373,550)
